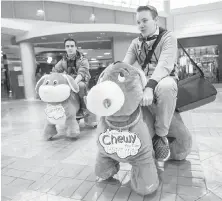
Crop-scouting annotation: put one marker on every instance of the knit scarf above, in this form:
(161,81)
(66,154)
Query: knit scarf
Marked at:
(147,42)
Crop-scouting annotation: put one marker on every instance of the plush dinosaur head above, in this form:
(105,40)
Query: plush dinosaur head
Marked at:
(56,87)
(118,92)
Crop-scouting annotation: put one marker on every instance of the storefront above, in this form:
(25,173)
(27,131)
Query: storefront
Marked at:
(206,51)
(12,81)
(98,53)
(4,78)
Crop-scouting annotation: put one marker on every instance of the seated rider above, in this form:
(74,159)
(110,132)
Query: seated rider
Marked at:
(74,64)
(160,93)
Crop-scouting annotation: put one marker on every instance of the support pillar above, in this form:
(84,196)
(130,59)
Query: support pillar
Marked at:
(169,18)
(28,69)
(120,47)
(166,6)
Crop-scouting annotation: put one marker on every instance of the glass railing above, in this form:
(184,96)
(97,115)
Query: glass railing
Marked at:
(159,4)
(130,3)
(181,4)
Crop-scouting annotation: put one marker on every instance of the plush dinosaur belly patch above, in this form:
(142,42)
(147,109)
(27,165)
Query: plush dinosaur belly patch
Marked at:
(55,114)
(123,143)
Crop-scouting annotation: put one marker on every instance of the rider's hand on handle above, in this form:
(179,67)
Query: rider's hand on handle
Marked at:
(147,97)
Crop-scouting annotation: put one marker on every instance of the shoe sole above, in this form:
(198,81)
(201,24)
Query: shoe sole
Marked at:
(165,159)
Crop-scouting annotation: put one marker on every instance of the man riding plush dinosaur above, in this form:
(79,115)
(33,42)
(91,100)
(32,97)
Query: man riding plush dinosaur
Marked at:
(74,64)
(159,67)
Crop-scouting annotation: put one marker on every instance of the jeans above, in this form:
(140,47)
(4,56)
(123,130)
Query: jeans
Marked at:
(82,93)
(165,98)
(82,89)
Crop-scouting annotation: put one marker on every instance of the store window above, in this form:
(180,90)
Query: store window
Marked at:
(206,57)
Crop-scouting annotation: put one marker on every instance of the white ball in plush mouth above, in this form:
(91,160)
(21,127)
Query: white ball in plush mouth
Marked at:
(54,94)
(105,99)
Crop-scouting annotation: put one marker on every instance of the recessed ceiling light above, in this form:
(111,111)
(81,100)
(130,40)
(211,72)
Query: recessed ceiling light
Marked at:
(93,59)
(49,60)
(40,13)
(92,18)
(99,56)
(107,53)
(43,38)
(85,53)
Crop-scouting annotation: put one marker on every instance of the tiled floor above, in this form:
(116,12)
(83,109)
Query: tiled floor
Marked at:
(62,170)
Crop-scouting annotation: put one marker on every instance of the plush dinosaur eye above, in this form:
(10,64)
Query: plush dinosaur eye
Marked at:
(55,82)
(121,77)
(47,82)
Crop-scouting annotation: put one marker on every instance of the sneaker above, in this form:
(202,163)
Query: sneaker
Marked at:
(81,113)
(161,148)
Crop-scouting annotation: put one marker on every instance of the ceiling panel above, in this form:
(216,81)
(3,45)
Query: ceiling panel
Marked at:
(124,18)
(104,15)
(28,9)
(58,12)
(7,9)
(81,14)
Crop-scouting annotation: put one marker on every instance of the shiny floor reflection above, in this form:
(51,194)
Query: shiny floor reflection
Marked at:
(62,169)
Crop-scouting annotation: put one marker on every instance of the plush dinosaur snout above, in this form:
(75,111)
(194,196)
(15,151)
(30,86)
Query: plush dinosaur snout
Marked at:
(105,99)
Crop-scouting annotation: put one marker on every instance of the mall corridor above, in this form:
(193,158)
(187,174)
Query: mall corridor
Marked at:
(62,169)
(82,38)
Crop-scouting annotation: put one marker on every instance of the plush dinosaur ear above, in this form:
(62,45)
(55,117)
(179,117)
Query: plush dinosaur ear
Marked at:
(72,83)
(100,79)
(40,82)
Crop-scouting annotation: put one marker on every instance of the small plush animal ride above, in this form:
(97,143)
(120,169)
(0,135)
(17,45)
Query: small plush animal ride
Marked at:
(59,91)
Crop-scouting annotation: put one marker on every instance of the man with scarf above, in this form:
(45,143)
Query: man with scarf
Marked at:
(74,64)
(160,94)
